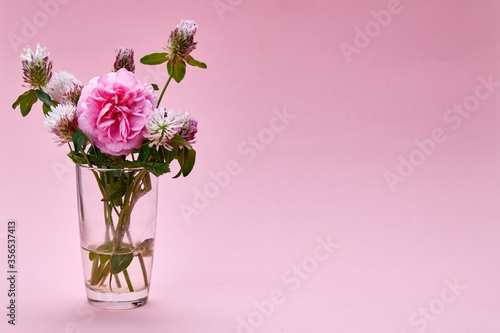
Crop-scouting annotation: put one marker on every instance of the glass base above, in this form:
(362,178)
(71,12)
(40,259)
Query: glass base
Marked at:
(117,301)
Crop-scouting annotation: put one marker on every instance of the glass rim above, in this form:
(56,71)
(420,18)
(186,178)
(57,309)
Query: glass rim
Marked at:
(103,169)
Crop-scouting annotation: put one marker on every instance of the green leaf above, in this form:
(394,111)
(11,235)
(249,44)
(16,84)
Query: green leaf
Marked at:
(115,192)
(20,98)
(170,155)
(44,97)
(196,63)
(104,257)
(156,168)
(46,109)
(177,71)
(178,174)
(144,152)
(181,158)
(154,59)
(146,248)
(155,86)
(79,140)
(180,140)
(94,151)
(106,247)
(28,102)
(169,68)
(189,163)
(77,158)
(155,154)
(120,260)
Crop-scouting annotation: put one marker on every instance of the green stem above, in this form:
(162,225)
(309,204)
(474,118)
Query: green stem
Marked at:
(131,198)
(133,194)
(107,213)
(99,183)
(117,280)
(93,274)
(108,219)
(127,278)
(143,268)
(102,272)
(164,88)
(110,281)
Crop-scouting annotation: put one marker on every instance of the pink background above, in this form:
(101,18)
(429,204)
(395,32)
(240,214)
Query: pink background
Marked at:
(321,174)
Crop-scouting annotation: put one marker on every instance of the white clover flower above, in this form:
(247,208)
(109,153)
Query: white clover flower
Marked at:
(62,121)
(189,126)
(182,117)
(161,128)
(188,27)
(39,55)
(181,42)
(124,59)
(60,85)
(37,68)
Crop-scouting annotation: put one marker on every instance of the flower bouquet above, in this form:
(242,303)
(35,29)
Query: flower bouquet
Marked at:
(121,140)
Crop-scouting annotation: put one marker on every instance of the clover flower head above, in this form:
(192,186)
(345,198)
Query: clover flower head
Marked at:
(37,68)
(72,96)
(161,127)
(187,27)
(189,127)
(40,53)
(60,86)
(62,122)
(181,42)
(124,59)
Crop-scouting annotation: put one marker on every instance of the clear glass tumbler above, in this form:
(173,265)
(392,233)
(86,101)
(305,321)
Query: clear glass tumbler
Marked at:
(117,214)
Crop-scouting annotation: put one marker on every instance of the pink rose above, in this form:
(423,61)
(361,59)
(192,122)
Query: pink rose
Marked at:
(113,110)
